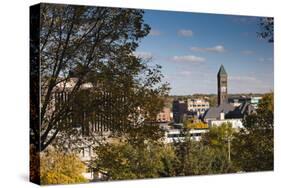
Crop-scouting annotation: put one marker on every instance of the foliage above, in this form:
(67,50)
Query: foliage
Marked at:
(219,135)
(127,161)
(208,156)
(197,125)
(213,100)
(267,29)
(61,168)
(94,45)
(222,150)
(205,159)
(254,145)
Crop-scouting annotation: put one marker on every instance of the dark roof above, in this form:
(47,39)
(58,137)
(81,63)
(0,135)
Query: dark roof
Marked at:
(246,108)
(214,112)
(229,110)
(222,71)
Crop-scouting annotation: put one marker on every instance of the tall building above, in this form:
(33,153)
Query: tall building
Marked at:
(232,110)
(179,109)
(222,86)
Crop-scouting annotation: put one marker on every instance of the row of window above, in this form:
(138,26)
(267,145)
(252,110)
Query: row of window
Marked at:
(199,110)
(106,118)
(198,105)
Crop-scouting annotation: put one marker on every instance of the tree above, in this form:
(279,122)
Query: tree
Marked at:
(267,29)
(206,159)
(218,136)
(196,125)
(119,161)
(213,100)
(208,156)
(254,146)
(211,155)
(61,168)
(95,45)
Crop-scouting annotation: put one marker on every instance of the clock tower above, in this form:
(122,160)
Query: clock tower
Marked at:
(222,86)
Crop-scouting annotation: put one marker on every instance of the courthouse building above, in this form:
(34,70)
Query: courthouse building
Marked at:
(227,112)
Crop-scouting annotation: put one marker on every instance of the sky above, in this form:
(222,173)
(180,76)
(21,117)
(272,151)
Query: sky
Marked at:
(191,47)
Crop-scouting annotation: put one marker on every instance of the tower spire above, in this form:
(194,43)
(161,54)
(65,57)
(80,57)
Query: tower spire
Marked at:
(222,85)
(222,71)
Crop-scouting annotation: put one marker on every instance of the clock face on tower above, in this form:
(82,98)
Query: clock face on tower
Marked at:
(223,89)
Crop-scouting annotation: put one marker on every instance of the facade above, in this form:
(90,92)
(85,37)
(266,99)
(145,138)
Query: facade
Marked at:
(99,113)
(197,105)
(192,108)
(179,111)
(94,116)
(237,101)
(196,134)
(229,112)
(176,135)
(236,123)
(222,85)
(255,101)
(164,115)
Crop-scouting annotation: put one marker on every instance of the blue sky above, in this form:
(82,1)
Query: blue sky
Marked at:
(190,47)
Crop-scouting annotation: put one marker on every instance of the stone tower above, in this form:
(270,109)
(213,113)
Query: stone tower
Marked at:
(222,86)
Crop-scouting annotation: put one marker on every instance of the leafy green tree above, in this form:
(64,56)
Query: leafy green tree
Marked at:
(206,159)
(208,156)
(218,136)
(127,161)
(254,146)
(182,150)
(61,168)
(213,100)
(95,45)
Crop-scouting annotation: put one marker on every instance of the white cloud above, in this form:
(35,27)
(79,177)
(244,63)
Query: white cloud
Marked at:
(262,59)
(185,33)
(189,59)
(185,73)
(144,55)
(247,52)
(247,84)
(154,32)
(217,48)
(242,78)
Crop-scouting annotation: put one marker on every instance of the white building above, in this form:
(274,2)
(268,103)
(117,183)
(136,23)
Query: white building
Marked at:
(197,105)
(176,135)
(236,123)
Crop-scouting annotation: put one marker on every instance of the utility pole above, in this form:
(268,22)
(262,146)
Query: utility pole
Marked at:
(229,158)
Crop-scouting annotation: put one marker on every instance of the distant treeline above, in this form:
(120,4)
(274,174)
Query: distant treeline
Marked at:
(212,98)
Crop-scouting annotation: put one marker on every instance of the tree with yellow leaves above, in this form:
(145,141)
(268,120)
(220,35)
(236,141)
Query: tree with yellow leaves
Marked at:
(61,168)
(197,125)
